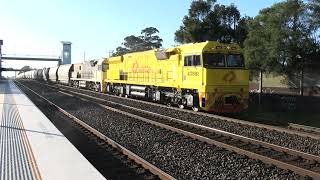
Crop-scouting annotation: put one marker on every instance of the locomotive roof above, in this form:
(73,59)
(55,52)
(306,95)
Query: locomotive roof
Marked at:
(193,47)
(208,46)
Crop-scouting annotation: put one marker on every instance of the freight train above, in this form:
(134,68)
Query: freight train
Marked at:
(208,76)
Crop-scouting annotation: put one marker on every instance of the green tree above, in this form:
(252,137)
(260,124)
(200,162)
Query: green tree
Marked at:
(120,51)
(150,38)
(146,41)
(242,29)
(280,38)
(24,69)
(207,20)
(314,6)
(133,43)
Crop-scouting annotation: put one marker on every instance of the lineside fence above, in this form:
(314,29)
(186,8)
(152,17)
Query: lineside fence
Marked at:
(285,103)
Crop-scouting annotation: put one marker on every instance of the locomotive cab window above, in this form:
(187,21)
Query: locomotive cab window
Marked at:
(193,60)
(235,60)
(212,60)
(105,67)
(196,60)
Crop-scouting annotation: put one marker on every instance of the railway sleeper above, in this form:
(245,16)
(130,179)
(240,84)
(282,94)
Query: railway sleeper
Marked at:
(243,144)
(293,158)
(264,150)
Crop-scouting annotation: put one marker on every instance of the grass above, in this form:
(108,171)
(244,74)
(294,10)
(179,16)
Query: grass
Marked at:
(273,81)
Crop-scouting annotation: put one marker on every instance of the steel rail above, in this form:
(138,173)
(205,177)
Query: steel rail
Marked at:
(199,136)
(153,169)
(223,118)
(308,129)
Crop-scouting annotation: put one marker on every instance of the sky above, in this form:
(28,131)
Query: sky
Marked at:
(95,27)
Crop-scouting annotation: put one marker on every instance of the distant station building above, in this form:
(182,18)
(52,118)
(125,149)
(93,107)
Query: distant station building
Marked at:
(66,52)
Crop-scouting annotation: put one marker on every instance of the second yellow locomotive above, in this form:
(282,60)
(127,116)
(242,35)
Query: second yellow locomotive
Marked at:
(210,76)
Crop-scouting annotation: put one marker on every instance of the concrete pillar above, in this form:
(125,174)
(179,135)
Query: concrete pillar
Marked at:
(1,43)
(66,52)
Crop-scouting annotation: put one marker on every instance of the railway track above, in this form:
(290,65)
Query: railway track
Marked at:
(307,129)
(308,142)
(292,129)
(301,163)
(140,167)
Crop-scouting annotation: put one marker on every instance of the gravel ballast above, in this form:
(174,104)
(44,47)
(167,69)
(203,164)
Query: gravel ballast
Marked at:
(300,143)
(176,154)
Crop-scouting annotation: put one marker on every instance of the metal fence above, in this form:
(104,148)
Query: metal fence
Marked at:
(285,103)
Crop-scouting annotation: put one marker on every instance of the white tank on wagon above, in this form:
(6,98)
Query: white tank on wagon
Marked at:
(64,73)
(33,74)
(28,74)
(39,75)
(45,74)
(53,76)
(20,76)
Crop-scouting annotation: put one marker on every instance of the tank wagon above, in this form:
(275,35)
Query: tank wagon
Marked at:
(208,76)
(39,74)
(64,74)
(21,75)
(30,74)
(45,74)
(53,76)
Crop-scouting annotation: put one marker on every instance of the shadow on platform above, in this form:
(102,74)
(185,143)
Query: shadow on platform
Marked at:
(33,131)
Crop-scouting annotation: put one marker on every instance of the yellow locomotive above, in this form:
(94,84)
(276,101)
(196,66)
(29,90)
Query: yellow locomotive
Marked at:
(209,75)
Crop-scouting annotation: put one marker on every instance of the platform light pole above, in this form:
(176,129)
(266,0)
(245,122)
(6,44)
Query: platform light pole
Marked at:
(301,60)
(260,86)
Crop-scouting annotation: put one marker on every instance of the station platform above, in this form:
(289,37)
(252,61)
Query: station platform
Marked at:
(31,147)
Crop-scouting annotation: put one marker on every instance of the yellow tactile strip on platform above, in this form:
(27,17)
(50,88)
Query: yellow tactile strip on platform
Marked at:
(16,158)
